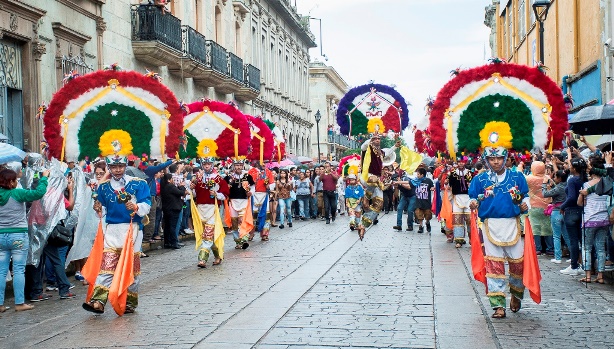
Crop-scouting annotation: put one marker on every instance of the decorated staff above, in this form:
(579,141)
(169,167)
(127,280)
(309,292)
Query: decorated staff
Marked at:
(495,108)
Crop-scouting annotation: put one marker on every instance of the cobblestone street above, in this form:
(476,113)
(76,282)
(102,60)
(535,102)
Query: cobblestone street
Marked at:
(317,286)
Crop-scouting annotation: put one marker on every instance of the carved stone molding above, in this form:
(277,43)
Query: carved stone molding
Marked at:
(38,50)
(13,22)
(221,3)
(101,26)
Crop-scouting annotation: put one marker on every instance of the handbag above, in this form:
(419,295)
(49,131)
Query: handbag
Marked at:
(61,235)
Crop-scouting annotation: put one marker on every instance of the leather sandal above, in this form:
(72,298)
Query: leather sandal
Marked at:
(94,307)
(499,313)
(202,265)
(217,261)
(600,281)
(515,304)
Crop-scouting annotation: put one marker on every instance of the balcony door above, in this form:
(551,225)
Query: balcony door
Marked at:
(11,96)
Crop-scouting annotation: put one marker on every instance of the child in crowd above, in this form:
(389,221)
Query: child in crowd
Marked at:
(354,194)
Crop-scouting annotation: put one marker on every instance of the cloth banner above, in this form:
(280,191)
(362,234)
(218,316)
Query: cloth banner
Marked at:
(531,276)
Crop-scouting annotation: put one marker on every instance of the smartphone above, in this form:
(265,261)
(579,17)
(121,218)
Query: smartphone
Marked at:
(576,136)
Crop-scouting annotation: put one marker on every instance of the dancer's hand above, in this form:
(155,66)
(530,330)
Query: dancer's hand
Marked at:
(473,205)
(524,207)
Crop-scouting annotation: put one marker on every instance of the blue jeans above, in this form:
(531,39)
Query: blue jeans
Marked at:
(538,243)
(597,237)
(558,231)
(57,267)
(14,245)
(49,269)
(408,203)
(285,208)
(158,221)
(573,221)
(303,205)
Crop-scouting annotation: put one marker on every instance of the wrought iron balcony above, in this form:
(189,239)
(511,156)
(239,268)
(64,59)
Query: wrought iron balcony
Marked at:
(235,70)
(156,37)
(343,141)
(251,88)
(195,45)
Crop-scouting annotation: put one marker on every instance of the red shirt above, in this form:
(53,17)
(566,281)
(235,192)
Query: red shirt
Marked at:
(329,182)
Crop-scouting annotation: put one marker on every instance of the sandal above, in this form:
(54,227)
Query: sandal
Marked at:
(129,310)
(361,234)
(3,308)
(238,247)
(202,265)
(586,280)
(600,281)
(94,306)
(515,304)
(499,313)
(458,245)
(265,238)
(217,261)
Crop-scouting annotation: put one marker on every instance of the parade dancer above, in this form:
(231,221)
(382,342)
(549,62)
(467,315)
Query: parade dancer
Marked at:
(459,180)
(500,196)
(239,183)
(354,194)
(264,184)
(210,191)
(124,200)
(374,158)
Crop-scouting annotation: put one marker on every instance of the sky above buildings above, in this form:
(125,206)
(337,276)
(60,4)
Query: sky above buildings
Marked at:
(413,44)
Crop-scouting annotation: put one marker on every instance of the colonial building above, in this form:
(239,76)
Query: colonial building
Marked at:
(252,52)
(326,88)
(573,43)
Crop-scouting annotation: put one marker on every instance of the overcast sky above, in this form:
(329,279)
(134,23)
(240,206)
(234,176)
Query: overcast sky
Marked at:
(410,43)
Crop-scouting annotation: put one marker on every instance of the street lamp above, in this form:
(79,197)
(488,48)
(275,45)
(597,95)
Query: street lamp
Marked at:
(321,54)
(540,8)
(318,117)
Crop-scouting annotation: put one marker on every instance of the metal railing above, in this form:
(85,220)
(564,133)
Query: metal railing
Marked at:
(149,24)
(343,141)
(217,57)
(195,46)
(252,77)
(235,67)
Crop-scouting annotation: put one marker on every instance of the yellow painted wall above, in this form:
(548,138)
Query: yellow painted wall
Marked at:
(572,36)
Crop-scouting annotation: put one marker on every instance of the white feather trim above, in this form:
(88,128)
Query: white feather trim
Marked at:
(540,129)
(207,127)
(74,124)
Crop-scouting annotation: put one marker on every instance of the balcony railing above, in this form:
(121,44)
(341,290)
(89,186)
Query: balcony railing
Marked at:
(236,68)
(149,24)
(343,141)
(217,57)
(195,45)
(252,77)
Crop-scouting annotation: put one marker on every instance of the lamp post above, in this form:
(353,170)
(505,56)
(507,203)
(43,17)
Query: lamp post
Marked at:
(318,117)
(540,8)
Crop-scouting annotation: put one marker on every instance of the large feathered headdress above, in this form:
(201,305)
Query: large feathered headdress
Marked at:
(498,105)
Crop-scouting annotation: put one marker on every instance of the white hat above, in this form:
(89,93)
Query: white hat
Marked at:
(352,176)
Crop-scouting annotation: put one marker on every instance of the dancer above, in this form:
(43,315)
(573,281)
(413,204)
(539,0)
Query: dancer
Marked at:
(125,200)
(210,191)
(239,183)
(374,158)
(264,184)
(354,194)
(459,180)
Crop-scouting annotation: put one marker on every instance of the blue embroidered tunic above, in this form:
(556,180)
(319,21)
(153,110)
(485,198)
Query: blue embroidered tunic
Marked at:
(117,212)
(496,200)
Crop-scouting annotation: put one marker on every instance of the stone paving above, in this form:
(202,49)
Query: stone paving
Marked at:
(317,286)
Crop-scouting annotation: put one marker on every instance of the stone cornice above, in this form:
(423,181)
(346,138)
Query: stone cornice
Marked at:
(331,74)
(82,10)
(70,35)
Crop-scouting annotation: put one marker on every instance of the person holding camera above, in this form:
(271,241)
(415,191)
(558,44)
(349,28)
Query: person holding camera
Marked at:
(14,240)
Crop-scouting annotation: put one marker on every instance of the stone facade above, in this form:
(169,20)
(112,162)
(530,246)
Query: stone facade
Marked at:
(326,88)
(49,38)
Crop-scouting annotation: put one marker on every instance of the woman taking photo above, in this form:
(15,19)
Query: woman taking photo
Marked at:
(284,186)
(14,240)
(555,189)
